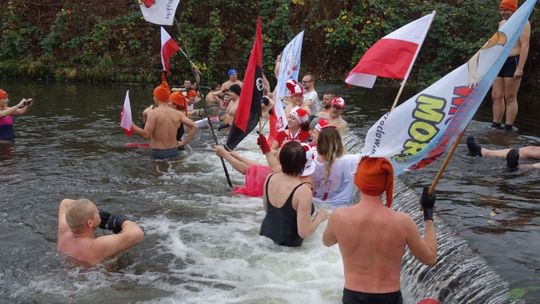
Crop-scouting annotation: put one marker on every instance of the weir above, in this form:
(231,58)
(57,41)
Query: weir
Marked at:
(460,276)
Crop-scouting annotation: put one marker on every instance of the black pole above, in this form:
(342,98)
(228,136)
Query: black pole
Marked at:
(197,75)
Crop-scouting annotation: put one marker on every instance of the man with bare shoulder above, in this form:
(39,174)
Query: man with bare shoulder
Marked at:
(161,126)
(233,79)
(77,223)
(228,118)
(372,237)
(505,88)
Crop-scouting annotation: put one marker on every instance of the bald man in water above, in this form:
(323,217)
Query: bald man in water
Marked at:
(372,237)
(77,223)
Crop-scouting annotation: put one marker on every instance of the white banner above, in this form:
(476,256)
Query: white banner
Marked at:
(421,129)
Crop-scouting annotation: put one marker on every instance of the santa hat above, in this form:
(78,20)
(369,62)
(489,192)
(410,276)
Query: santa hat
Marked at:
(510,5)
(300,114)
(338,102)
(374,176)
(322,123)
(294,88)
(309,168)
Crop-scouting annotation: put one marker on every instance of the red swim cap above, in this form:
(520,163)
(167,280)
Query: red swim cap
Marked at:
(3,94)
(510,5)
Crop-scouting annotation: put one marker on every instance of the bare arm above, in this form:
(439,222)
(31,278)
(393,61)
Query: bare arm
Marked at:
(17,110)
(423,248)
(265,195)
(62,222)
(329,238)
(193,129)
(113,244)
(148,127)
(524,49)
(306,226)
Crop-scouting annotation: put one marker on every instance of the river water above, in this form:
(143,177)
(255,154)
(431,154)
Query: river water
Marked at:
(201,243)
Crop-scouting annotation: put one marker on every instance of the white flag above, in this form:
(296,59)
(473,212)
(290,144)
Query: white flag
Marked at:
(126,120)
(159,11)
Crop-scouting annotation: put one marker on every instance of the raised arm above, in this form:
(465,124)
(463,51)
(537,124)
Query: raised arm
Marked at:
(126,235)
(62,222)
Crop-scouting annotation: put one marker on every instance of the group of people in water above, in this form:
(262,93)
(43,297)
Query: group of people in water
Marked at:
(308,178)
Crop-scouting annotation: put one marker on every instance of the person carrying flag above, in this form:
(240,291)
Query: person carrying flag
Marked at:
(161,126)
(506,85)
(372,237)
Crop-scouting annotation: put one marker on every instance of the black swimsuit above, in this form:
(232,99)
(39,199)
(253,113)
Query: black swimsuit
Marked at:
(280,224)
(509,67)
(357,297)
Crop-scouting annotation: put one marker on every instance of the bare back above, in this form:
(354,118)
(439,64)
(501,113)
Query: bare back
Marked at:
(372,242)
(163,123)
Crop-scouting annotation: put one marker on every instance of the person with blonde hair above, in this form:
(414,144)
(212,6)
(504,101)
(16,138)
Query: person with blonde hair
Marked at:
(333,176)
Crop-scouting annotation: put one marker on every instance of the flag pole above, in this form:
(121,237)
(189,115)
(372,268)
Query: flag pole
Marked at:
(197,75)
(412,63)
(445,162)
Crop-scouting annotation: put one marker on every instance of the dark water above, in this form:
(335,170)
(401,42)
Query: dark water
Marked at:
(202,244)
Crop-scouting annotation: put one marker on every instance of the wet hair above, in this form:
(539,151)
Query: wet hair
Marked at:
(78,213)
(330,146)
(292,158)
(216,86)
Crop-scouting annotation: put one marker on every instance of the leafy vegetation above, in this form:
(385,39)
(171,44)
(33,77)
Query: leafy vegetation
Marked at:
(83,41)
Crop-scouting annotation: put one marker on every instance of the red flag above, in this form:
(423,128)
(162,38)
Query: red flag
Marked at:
(249,105)
(392,56)
(168,48)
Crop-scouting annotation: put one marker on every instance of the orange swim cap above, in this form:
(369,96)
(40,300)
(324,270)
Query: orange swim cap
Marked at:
(375,176)
(3,94)
(161,94)
(192,93)
(178,99)
(510,5)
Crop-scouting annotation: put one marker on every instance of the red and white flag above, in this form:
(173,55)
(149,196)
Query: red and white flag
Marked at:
(392,56)
(126,120)
(169,47)
(159,11)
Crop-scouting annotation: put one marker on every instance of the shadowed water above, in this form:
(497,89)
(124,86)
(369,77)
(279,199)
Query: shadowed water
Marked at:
(202,243)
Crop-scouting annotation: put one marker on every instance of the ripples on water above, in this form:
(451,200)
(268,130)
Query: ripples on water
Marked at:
(202,244)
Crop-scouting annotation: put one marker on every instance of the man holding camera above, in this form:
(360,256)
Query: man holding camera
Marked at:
(7,133)
(77,223)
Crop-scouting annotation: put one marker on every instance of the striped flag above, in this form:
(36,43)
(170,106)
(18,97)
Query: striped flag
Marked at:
(169,47)
(392,56)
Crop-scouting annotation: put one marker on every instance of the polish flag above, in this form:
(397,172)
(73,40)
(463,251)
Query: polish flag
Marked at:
(159,11)
(168,48)
(126,120)
(392,56)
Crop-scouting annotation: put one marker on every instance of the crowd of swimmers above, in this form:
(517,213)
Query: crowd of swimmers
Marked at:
(308,178)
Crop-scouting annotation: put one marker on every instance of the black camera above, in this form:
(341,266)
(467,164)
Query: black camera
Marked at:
(28,102)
